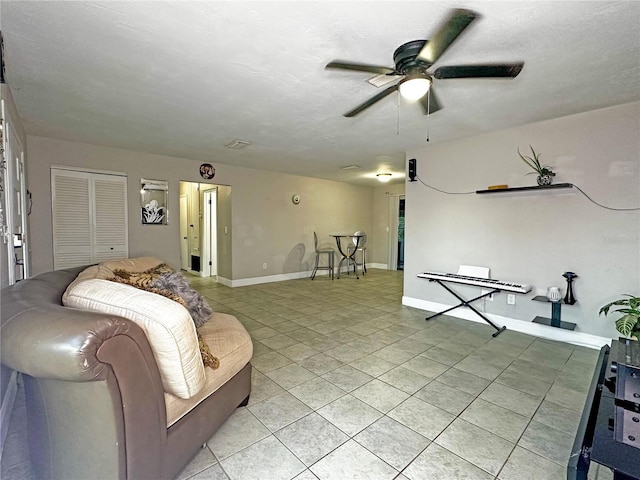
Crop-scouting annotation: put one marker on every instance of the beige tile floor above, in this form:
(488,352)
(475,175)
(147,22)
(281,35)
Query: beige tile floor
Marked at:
(349,384)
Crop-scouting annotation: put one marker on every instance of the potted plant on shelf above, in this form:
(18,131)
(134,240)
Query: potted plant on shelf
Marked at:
(545,174)
(629,323)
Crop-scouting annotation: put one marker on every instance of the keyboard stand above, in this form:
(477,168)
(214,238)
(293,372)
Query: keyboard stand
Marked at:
(467,303)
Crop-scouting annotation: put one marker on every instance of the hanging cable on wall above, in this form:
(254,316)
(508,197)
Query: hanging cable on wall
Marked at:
(604,206)
(443,191)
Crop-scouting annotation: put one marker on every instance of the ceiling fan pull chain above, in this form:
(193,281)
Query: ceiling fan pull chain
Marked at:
(398,119)
(428,111)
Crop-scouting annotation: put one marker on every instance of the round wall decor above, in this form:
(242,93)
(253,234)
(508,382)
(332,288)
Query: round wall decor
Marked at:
(295,199)
(207,171)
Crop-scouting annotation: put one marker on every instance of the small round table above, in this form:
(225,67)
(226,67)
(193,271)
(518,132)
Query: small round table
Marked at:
(349,257)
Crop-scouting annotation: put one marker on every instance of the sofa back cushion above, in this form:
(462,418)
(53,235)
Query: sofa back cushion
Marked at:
(105,270)
(167,324)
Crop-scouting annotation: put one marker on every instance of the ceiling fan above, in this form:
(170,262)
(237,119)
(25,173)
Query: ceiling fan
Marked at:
(413,60)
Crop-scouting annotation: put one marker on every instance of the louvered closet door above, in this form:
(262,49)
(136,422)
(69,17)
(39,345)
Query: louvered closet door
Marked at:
(110,218)
(89,217)
(71,204)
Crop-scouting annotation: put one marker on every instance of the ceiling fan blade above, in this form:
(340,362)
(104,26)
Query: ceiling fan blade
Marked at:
(446,35)
(360,67)
(429,102)
(508,70)
(371,101)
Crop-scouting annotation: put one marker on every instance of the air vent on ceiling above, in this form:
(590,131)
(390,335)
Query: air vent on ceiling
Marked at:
(237,144)
(382,80)
(351,167)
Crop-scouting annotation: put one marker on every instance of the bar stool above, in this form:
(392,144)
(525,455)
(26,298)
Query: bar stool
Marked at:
(361,248)
(329,252)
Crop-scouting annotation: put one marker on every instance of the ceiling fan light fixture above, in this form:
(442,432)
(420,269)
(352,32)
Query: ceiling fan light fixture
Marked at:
(384,177)
(414,88)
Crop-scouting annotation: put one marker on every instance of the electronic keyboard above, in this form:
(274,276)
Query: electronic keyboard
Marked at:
(477,281)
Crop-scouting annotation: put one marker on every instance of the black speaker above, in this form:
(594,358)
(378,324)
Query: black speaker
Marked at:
(412,170)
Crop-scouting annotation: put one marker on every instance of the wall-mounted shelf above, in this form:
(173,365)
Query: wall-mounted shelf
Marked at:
(528,189)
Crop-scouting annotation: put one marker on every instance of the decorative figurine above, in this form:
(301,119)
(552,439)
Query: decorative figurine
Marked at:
(569,299)
(553,294)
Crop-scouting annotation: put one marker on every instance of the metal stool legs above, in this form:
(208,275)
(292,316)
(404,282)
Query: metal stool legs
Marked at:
(330,259)
(363,251)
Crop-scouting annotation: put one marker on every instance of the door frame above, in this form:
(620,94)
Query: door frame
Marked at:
(185,263)
(209,267)
(14,182)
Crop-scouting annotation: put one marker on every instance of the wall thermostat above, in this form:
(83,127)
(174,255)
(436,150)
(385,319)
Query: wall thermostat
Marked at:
(295,199)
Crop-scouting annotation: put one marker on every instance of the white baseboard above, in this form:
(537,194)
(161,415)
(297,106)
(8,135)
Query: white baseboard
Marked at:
(381,266)
(243,282)
(530,328)
(6,408)
(224,281)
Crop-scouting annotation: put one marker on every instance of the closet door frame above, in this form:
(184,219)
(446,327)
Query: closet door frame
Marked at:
(93,249)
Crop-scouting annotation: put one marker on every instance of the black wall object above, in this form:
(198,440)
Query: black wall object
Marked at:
(1,59)
(412,170)
(195,263)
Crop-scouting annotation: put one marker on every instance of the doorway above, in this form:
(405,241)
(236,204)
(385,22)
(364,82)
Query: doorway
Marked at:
(205,212)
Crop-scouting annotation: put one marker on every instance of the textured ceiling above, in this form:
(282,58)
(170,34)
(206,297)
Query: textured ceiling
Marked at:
(186,78)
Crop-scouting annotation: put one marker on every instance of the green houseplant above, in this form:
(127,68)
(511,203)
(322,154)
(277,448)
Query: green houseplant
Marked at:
(629,323)
(545,174)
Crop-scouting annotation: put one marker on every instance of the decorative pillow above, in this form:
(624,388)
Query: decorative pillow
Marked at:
(177,283)
(167,324)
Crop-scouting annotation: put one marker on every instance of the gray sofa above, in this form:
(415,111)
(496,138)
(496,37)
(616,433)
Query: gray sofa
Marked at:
(95,400)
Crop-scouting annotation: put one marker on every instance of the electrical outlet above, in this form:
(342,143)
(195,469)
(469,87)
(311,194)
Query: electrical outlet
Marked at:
(488,297)
(511,299)
(264,266)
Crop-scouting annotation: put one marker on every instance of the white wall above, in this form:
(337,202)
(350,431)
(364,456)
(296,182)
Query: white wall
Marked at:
(533,237)
(265,225)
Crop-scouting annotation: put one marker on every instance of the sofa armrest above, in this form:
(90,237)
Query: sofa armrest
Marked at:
(51,343)
(60,343)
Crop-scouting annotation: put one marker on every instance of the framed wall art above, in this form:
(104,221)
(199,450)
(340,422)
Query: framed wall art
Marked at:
(207,171)
(154,198)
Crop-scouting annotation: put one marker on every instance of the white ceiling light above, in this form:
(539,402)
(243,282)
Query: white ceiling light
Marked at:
(384,177)
(413,88)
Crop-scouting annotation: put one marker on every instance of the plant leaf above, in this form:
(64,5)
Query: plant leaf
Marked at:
(605,309)
(628,311)
(625,325)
